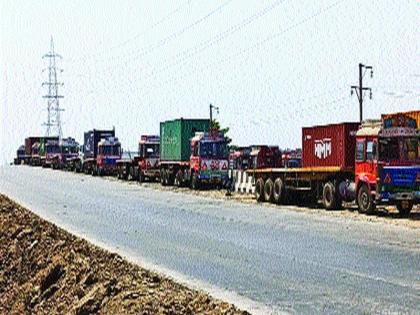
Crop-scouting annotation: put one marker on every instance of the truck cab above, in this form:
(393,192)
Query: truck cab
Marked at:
(240,159)
(35,159)
(264,156)
(68,151)
(52,153)
(148,158)
(209,159)
(20,155)
(388,164)
(109,151)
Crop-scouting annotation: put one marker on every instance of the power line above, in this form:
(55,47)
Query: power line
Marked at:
(138,35)
(137,53)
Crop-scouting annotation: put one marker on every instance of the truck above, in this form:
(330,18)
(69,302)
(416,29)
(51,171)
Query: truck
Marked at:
(29,143)
(144,165)
(369,163)
(264,156)
(100,151)
(35,149)
(68,150)
(388,163)
(192,154)
(326,174)
(20,156)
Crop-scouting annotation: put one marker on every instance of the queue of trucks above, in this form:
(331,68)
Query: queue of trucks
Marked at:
(376,162)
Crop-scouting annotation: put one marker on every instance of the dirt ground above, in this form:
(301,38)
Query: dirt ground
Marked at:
(387,215)
(46,270)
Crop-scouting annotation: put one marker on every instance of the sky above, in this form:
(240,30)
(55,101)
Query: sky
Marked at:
(271,66)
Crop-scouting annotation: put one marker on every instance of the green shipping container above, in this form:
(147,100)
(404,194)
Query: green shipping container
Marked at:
(175,137)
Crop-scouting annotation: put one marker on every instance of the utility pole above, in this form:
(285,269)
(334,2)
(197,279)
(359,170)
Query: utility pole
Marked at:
(360,89)
(211,112)
(53,123)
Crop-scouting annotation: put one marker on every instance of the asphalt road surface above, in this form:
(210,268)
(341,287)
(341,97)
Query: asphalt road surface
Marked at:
(288,261)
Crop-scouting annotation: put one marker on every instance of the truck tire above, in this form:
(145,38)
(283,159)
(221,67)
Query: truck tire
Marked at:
(365,201)
(268,190)
(195,182)
(178,179)
(278,191)
(163,177)
(404,208)
(141,177)
(329,196)
(259,190)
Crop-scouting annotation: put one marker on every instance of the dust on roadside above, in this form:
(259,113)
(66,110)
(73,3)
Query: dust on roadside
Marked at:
(44,269)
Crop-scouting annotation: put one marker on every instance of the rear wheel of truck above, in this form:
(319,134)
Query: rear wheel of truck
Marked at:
(330,197)
(268,190)
(278,194)
(404,207)
(365,201)
(259,189)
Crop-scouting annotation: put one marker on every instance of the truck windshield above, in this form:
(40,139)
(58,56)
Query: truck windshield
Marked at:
(396,147)
(110,150)
(388,149)
(213,149)
(151,150)
(70,149)
(53,149)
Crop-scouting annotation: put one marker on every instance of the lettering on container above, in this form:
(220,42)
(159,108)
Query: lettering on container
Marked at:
(323,148)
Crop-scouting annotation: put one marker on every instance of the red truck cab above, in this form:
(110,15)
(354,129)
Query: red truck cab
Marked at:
(148,159)
(388,164)
(209,159)
(264,156)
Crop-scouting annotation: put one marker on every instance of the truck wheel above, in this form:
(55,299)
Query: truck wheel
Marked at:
(364,200)
(268,190)
(404,208)
(329,196)
(141,177)
(195,182)
(278,191)
(178,179)
(259,189)
(163,177)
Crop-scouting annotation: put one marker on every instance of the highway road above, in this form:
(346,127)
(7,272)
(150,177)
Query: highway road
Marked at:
(287,261)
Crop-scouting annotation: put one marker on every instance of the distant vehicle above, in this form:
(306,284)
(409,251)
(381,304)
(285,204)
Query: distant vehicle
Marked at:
(192,154)
(240,159)
(263,156)
(20,156)
(68,150)
(99,154)
(145,164)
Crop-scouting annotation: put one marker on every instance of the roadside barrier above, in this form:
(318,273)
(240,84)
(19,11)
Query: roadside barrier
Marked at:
(242,182)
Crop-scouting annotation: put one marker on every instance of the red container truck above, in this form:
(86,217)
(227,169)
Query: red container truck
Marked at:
(330,145)
(327,173)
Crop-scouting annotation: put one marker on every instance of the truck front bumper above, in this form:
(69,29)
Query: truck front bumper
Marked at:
(394,197)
